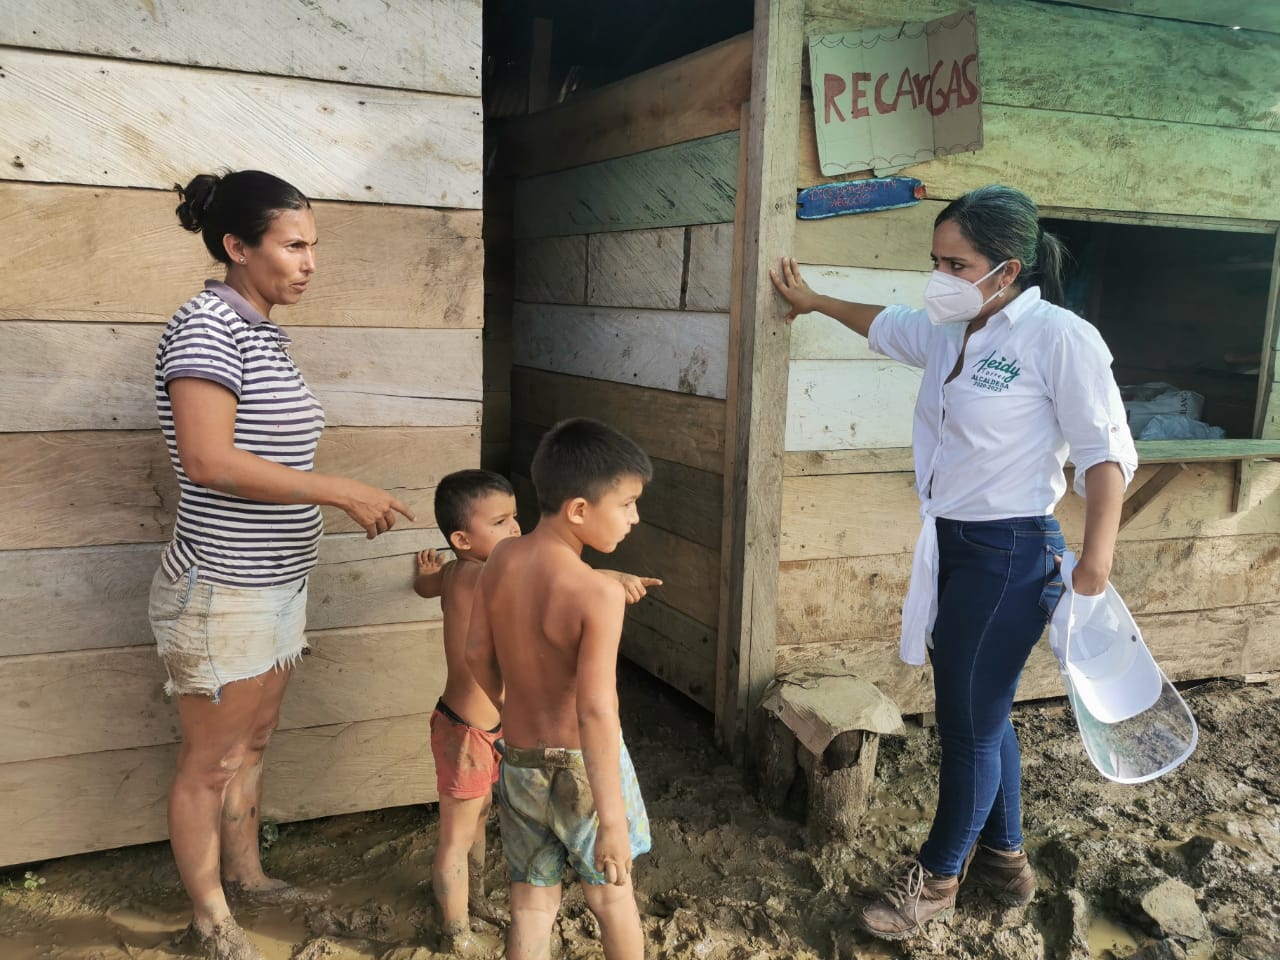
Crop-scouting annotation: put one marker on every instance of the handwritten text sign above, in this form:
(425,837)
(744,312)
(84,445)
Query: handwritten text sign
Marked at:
(890,97)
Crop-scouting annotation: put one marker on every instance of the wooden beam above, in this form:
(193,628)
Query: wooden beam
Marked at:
(94,376)
(636,268)
(686,183)
(551,269)
(55,806)
(433,47)
(380,266)
(673,647)
(849,403)
(86,598)
(1137,499)
(53,479)
(350,675)
(1191,645)
(673,350)
(1247,14)
(819,463)
(674,426)
(869,514)
(710,267)
(696,96)
(888,240)
(1140,64)
(827,600)
(1268,372)
(45,140)
(1083,161)
(747,652)
(689,571)
(679,499)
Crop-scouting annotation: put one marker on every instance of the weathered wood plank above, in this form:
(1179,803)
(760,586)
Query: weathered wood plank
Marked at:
(380,266)
(636,268)
(362,143)
(830,600)
(99,376)
(85,598)
(898,459)
(861,515)
(1226,641)
(679,499)
(837,404)
(351,675)
(1269,370)
(551,269)
(674,350)
(753,465)
(431,47)
(888,240)
(690,572)
(56,805)
(710,267)
(820,463)
(1246,14)
(1076,161)
(50,480)
(679,427)
(358,581)
(815,336)
(691,182)
(696,96)
(674,648)
(1139,66)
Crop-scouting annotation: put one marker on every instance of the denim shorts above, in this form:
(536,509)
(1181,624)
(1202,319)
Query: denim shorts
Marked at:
(209,635)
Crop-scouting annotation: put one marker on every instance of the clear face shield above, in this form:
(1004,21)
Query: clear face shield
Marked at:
(1134,724)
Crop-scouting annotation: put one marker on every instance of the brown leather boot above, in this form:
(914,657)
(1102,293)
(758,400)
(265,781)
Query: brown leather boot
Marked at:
(1007,875)
(917,897)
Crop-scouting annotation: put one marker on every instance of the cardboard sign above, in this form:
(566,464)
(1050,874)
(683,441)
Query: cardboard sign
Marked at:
(886,98)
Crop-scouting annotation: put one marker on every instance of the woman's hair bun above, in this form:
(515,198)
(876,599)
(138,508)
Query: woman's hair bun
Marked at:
(196,198)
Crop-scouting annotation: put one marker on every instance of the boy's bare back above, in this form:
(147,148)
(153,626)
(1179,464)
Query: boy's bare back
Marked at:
(555,626)
(459,579)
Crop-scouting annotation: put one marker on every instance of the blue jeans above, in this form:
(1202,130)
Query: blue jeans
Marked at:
(997,585)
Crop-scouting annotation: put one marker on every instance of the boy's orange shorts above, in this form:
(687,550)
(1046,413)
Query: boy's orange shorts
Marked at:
(465,756)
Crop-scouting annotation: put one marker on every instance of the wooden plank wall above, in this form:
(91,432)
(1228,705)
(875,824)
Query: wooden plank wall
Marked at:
(1131,138)
(623,253)
(389,336)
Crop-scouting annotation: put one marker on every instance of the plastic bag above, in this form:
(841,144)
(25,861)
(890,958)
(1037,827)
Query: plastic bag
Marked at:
(1174,426)
(1147,400)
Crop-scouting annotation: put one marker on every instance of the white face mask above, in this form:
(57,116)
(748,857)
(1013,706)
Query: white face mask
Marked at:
(952,299)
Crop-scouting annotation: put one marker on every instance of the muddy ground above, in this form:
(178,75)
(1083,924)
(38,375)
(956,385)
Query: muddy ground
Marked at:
(1186,867)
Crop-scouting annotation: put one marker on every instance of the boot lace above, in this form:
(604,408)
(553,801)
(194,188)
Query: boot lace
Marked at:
(909,886)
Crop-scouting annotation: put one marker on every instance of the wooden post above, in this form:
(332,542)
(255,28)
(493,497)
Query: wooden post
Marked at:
(757,399)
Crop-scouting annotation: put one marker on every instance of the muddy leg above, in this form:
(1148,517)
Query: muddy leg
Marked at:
(214,748)
(615,908)
(242,811)
(477,901)
(533,913)
(449,875)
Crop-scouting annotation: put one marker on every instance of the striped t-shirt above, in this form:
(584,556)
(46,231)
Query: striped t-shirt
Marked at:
(218,336)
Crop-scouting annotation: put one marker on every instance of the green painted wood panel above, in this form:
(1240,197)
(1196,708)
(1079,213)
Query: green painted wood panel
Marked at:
(1058,57)
(687,183)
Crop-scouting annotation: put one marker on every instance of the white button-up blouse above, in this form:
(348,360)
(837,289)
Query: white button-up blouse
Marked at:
(1036,386)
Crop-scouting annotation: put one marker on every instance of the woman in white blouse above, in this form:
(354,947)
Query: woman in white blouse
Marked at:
(1012,385)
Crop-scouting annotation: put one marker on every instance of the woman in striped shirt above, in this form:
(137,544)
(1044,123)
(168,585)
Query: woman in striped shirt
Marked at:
(228,603)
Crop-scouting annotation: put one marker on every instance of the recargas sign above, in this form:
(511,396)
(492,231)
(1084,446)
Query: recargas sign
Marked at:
(898,95)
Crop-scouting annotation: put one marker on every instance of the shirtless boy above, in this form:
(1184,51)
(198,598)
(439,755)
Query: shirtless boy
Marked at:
(475,509)
(550,626)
